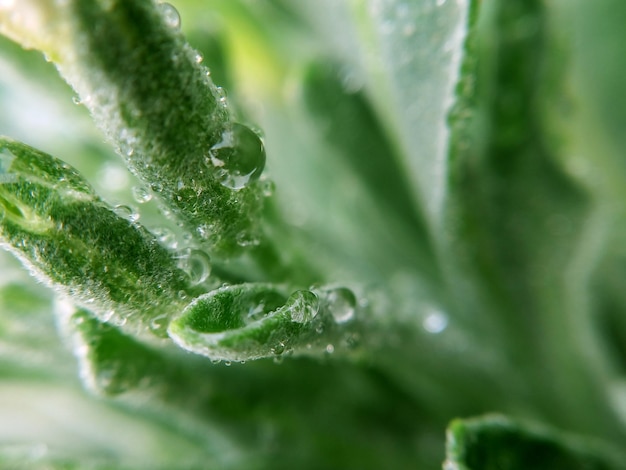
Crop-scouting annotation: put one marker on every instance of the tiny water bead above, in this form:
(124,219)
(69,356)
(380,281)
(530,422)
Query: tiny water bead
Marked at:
(278,349)
(247,239)
(196,263)
(268,187)
(141,194)
(127,212)
(239,158)
(303,306)
(341,304)
(170,15)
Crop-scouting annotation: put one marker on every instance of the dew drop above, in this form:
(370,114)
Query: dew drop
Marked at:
(141,194)
(238,158)
(330,348)
(170,15)
(435,321)
(227,363)
(221,96)
(268,187)
(76,100)
(127,212)
(341,304)
(278,349)
(247,239)
(196,263)
(198,58)
(303,306)
(278,359)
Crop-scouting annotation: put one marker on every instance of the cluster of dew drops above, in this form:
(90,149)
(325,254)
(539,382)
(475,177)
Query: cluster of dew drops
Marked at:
(236,160)
(239,157)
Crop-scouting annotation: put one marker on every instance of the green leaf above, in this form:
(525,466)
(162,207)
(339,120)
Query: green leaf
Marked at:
(148,92)
(495,442)
(252,321)
(51,219)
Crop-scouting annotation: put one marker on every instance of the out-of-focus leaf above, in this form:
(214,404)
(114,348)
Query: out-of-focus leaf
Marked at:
(495,442)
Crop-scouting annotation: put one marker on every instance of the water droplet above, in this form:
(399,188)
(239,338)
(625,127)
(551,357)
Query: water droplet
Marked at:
(227,363)
(238,158)
(278,349)
(170,15)
(76,100)
(221,96)
(319,329)
(198,58)
(141,194)
(268,187)
(330,348)
(341,304)
(247,239)
(303,306)
(435,321)
(196,263)
(127,212)
(278,359)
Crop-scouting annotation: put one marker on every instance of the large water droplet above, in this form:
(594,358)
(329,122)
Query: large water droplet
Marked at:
(141,194)
(341,304)
(196,264)
(170,15)
(303,306)
(238,158)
